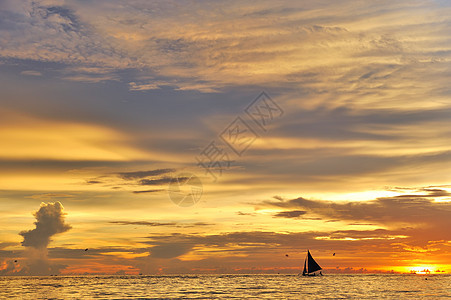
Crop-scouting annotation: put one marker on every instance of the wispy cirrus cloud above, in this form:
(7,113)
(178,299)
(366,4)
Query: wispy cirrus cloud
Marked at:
(142,174)
(135,180)
(287,42)
(31,73)
(148,223)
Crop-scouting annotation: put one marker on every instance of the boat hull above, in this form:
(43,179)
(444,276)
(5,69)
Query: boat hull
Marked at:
(312,274)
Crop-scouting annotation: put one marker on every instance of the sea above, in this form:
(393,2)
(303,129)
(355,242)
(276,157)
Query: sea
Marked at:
(334,286)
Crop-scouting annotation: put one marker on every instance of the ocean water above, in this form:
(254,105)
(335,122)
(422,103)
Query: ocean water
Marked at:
(227,287)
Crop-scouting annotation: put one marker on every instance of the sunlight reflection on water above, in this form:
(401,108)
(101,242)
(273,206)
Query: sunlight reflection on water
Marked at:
(227,286)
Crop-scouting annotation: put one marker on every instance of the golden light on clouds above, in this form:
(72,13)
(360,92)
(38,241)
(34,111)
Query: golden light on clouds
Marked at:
(104,103)
(30,138)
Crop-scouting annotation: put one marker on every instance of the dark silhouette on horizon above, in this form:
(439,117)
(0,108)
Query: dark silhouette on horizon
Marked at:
(311,266)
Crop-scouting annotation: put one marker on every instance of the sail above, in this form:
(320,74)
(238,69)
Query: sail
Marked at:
(304,272)
(312,265)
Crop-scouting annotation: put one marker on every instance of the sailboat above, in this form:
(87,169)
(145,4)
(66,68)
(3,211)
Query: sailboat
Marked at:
(311,267)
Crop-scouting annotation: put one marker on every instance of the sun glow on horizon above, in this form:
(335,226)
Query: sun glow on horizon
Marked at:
(426,269)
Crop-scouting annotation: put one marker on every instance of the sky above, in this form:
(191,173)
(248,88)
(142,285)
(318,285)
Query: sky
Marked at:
(167,137)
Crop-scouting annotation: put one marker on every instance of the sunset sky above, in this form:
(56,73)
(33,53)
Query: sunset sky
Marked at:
(104,103)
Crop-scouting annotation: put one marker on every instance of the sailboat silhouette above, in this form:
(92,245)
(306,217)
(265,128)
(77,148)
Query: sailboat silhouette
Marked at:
(311,267)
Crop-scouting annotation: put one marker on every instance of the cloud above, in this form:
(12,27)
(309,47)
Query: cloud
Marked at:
(31,73)
(164,180)
(50,220)
(146,191)
(64,139)
(351,78)
(132,181)
(145,223)
(38,264)
(47,196)
(423,215)
(234,251)
(142,174)
(9,268)
(278,198)
(91,78)
(81,254)
(93,181)
(246,249)
(290,214)
(240,213)
(257,244)
(4,245)
(366,110)
(90,74)
(290,42)
(145,86)
(170,250)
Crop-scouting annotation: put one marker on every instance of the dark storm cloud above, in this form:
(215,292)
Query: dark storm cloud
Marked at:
(142,174)
(49,221)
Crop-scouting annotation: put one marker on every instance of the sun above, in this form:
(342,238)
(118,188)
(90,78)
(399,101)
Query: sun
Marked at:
(425,269)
